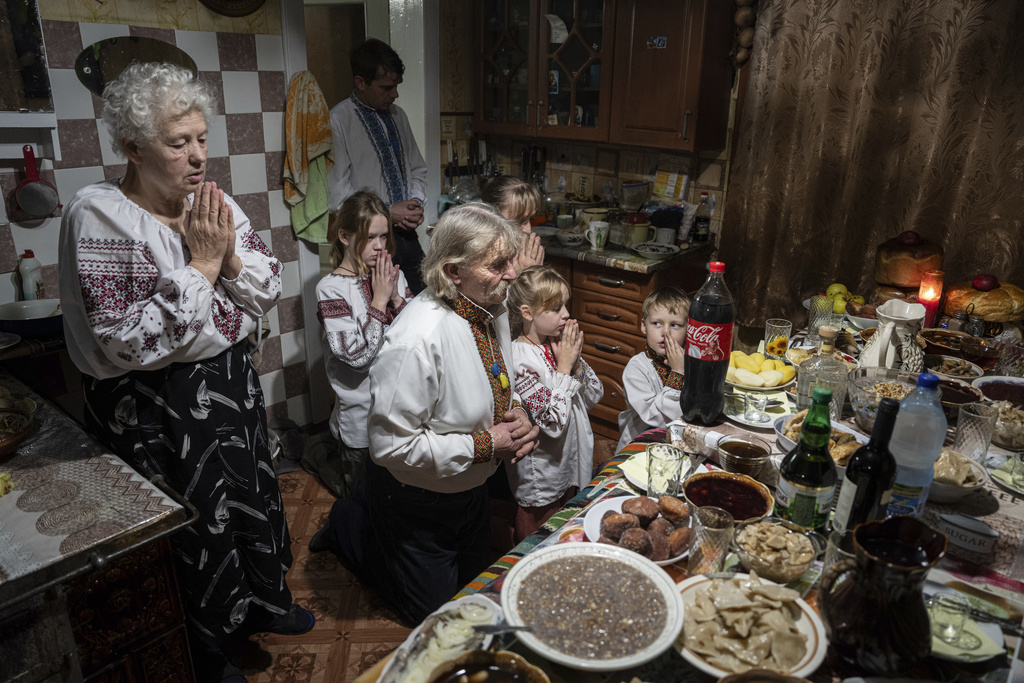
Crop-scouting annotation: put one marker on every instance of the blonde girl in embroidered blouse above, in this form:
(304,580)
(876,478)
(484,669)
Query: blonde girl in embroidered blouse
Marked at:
(557,387)
(356,304)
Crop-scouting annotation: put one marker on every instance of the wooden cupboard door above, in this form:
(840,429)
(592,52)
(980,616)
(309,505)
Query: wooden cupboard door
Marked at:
(672,73)
(613,284)
(614,399)
(614,345)
(506,49)
(601,312)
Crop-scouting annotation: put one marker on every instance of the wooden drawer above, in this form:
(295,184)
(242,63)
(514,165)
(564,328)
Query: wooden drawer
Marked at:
(614,399)
(614,345)
(604,312)
(613,283)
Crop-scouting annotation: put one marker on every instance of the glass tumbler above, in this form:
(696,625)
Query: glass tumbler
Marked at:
(948,613)
(712,527)
(974,426)
(776,337)
(664,465)
(819,314)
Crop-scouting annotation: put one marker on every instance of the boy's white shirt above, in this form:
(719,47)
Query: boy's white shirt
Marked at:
(649,402)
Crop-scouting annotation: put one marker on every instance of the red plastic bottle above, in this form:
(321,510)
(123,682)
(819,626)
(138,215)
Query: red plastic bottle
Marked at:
(708,345)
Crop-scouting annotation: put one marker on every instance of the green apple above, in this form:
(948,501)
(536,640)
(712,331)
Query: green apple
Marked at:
(857,298)
(837,288)
(838,304)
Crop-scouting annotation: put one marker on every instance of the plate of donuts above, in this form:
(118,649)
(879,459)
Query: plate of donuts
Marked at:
(660,531)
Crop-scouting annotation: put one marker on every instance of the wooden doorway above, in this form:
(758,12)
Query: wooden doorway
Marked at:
(331,32)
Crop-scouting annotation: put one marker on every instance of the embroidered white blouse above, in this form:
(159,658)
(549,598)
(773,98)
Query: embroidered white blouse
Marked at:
(649,402)
(353,332)
(355,161)
(430,395)
(558,404)
(131,301)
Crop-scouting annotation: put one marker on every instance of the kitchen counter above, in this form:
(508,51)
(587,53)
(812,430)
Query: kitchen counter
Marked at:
(74,506)
(624,259)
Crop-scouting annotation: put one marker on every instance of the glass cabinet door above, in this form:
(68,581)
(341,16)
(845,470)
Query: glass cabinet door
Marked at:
(505,88)
(573,41)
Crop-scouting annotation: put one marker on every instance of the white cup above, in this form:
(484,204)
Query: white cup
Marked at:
(597,234)
(665,236)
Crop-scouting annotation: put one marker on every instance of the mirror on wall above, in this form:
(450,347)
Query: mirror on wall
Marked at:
(24,82)
(103,61)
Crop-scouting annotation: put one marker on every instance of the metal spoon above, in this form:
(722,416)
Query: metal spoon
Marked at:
(494,629)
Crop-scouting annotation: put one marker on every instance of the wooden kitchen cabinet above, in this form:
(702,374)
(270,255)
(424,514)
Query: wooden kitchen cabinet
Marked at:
(672,75)
(529,86)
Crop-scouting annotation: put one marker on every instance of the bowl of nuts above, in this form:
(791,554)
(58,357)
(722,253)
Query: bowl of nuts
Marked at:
(868,386)
(951,367)
(777,549)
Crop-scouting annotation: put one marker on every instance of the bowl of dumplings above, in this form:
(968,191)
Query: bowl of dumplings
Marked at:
(956,477)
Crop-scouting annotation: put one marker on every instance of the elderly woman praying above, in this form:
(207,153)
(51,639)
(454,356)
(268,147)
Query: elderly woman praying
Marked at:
(162,277)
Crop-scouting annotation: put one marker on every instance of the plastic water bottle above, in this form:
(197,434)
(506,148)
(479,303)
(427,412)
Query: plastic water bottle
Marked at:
(31,272)
(916,443)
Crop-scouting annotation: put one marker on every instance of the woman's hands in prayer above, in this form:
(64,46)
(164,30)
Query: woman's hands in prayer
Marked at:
(210,235)
(567,350)
(516,437)
(383,281)
(530,254)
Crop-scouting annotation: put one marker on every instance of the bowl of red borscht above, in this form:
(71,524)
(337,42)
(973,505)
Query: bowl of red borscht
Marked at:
(1002,389)
(746,499)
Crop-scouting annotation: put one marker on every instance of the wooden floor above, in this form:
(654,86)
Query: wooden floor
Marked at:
(354,629)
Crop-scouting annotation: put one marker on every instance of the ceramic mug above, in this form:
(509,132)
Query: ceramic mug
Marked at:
(591,215)
(597,234)
(637,233)
(665,236)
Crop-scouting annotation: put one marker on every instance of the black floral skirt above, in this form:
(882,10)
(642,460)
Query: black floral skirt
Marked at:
(203,426)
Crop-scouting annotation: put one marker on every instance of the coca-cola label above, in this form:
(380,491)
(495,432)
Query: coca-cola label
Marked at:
(708,341)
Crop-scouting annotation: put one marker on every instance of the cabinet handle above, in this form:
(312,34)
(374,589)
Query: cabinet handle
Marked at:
(610,283)
(608,316)
(606,348)
(686,120)
(540,106)
(529,103)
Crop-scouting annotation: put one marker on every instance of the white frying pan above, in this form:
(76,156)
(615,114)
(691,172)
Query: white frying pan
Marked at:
(34,196)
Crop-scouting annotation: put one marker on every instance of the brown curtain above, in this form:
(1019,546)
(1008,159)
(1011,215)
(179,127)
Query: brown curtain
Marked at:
(865,118)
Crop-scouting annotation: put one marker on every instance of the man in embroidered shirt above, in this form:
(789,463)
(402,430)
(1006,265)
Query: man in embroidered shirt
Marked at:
(374,148)
(443,411)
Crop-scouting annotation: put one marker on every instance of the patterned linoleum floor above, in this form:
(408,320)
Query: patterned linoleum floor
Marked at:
(354,629)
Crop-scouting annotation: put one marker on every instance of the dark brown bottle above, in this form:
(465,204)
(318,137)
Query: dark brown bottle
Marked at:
(870,474)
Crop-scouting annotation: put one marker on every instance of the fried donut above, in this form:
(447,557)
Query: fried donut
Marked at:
(659,547)
(615,525)
(660,527)
(679,541)
(645,509)
(607,541)
(637,540)
(674,510)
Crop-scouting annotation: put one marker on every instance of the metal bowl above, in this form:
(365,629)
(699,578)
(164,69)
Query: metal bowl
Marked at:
(37,318)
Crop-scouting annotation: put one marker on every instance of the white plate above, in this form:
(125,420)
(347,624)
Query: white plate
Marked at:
(539,558)
(642,458)
(770,415)
(809,624)
(978,372)
(8,339)
(544,230)
(407,644)
(999,482)
(982,381)
(656,251)
(861,323)
(749,388)
(991,630)
(788,444)
(596,512)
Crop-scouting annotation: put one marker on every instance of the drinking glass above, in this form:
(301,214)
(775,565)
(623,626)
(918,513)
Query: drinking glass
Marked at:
(776,337)
(712,528)
(754,403)
(664,464)
(839,548)
(948,613)
(1017,473)
(819,314)
(974,426)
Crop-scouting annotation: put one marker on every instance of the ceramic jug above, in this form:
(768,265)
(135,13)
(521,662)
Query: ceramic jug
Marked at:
(873,606)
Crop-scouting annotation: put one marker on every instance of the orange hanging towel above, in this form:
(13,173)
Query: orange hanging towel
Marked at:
(308,157)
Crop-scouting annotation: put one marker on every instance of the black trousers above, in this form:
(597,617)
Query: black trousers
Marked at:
(415,548)
(409,256)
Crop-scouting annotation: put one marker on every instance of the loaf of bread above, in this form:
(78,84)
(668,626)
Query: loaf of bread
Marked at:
(1003,304)
(902,260)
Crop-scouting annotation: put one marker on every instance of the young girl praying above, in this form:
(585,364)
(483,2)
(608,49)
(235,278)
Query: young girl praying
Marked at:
(557,387)
(356,303)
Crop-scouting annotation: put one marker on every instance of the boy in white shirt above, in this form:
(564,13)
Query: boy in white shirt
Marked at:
(653,379)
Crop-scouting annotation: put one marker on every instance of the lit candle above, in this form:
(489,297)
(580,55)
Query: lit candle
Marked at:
(930,295)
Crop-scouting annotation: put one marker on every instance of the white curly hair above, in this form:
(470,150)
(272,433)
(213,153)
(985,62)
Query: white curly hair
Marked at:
(136,102)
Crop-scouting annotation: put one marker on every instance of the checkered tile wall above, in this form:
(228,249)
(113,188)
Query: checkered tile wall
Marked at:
(246,156)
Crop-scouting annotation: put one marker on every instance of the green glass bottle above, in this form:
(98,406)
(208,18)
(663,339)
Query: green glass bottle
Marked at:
(807,476)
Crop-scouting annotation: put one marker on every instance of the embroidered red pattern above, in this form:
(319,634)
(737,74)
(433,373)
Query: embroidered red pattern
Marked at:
(227,320)
(668,377)
(483,447)
(252,242)
(333,308)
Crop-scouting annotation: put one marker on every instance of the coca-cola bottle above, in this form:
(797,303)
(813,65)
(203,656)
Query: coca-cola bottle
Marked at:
(708,344)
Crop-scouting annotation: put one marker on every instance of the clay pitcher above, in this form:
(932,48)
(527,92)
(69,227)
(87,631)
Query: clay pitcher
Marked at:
(873,606)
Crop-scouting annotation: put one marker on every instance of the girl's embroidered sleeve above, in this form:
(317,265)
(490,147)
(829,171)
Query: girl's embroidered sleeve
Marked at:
(257,287)
(593,389)
(352,339)
(547,395)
